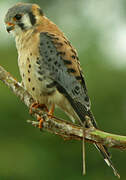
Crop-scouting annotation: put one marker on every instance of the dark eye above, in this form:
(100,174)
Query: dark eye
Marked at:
(18,16)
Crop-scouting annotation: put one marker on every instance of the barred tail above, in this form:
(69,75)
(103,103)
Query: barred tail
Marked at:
(103,150)
(82,113)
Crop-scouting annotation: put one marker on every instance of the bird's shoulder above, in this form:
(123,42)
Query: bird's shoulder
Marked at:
(65,50)
(61,59)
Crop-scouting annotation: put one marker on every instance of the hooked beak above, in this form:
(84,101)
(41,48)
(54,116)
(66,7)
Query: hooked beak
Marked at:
(10,27)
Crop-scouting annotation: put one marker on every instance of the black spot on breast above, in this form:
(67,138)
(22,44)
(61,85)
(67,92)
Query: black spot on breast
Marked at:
(30,54)
(40,67)
(67,62)
(38,62)
(28,59)
(23,75)
(28,71)
(71,70)
(29,66)
(29,79)
(33,88)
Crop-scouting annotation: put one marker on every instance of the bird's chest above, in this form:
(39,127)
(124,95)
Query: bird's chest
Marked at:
(34,77)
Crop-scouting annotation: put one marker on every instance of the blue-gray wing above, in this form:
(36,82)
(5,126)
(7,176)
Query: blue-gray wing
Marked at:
(61,64)
(59,59)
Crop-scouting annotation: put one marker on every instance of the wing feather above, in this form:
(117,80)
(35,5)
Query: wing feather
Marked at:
(64,72)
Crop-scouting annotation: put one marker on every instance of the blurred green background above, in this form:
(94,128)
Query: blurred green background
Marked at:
(98,31)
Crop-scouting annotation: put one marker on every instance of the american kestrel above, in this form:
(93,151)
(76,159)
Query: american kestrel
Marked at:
(49,65)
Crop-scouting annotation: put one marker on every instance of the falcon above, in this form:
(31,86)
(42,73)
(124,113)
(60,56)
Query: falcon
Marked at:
(49,66)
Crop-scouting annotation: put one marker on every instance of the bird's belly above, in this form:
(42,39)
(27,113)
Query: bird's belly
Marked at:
(38,85)
(42,88)
(45,93)
(39,90)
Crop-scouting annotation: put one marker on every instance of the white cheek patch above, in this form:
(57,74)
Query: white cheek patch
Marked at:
(26,21)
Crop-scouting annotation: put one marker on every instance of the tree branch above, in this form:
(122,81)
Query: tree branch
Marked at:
(58,126)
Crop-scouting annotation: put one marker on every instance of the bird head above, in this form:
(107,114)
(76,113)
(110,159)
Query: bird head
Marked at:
(22,17)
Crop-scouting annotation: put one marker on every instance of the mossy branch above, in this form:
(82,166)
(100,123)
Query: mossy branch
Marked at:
(58,126)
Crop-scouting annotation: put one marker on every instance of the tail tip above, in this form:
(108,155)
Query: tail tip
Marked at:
(117,174)
(114,170)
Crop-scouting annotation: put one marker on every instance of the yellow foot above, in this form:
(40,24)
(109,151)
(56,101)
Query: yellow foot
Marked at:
(51,111)
(40,119)
(37,105)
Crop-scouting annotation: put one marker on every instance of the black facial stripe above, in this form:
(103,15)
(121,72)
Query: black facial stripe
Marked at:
(21,26)
(32,18)
(40,11)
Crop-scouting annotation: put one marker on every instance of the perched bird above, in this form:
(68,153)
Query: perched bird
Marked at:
(49,66)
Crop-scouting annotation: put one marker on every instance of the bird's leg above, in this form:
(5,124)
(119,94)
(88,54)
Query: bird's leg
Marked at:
(42,106)
(50,115)
(51,111)
(36,105)
(39,118)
